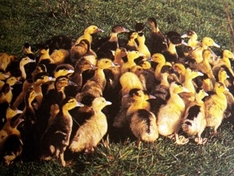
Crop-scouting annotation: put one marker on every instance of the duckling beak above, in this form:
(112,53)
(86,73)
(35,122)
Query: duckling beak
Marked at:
(19,111)
(126,30)
(51,78)
(184,36)
(100,30)
(6,76)
(184,43)
(31,60)
(185,89)
(108,103)
(78,104)
(200,74)
(206,94)
(18,82)
(216,45)
(70,71)
(72,83)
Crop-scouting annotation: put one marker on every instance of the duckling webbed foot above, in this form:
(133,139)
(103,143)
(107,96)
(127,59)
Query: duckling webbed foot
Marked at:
(200,141)
(181,140)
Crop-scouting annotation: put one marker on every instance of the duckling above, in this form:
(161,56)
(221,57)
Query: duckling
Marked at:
(173,41)
(93,130)
(96,85)
(227,55)
(28,51)
(5,60)
(193,39)
(194,122)
(29,128)
(131,56)
(204,65)
(60,56)
(45,56)
(197,53)
(10,141)
(160,61)
(120,54)
(132,44)
(57,135)
(39,80)
(180,69)
(6,94)
(81,49)
(25,74)
(190,85)
(81,65)
(170,116)
(157,41)
(112,43)
(142,120)
(162,88)
(50,101)
(58,42)
(215,106)
(142,47)
(88,32)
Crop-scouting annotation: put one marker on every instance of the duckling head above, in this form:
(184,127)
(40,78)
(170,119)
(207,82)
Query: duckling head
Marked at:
(119,29)
(99,103)
(92,29)
(69,103)
(189,34)
(63,70)
(158,58)
(12,112)
(207,41)
(25,61)
(228,54)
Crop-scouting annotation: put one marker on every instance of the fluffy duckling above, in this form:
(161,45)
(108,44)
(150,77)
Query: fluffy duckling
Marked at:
(192,41)
(142,121)
(170,116)
(215,106)
(22,66)
(197,53)
(57,135)
(189,84)
(59,56)
(112,43)
(93,130)
(45,56)
(173,41)
(132,44)
(10,141)
(28,51)
(142,47)
(88,32)
(5,60)
(29,128)
(6,94)
(157,41)
(81,49)
(194,122)
(204,65)
(180,69)
(50,102)
(131,56)
(227,55)
(96,85)
(81,65)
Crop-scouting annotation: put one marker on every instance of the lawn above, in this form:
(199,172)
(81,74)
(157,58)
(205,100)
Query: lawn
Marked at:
(37,21)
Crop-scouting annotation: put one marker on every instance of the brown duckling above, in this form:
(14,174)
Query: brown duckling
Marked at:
(57,135)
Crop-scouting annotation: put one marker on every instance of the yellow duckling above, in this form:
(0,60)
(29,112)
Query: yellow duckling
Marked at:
(132,44)
(24,61)
(192,41)
(227,55)
(57,135)
(93,130)
(10,136)
(204,66)
(88,32)
(131,56)
(215,106)
(5,60)
(197,53)
(194,122)
(180,70)
(170,116)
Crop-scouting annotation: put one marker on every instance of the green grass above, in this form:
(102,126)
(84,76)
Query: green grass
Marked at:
(36,21)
